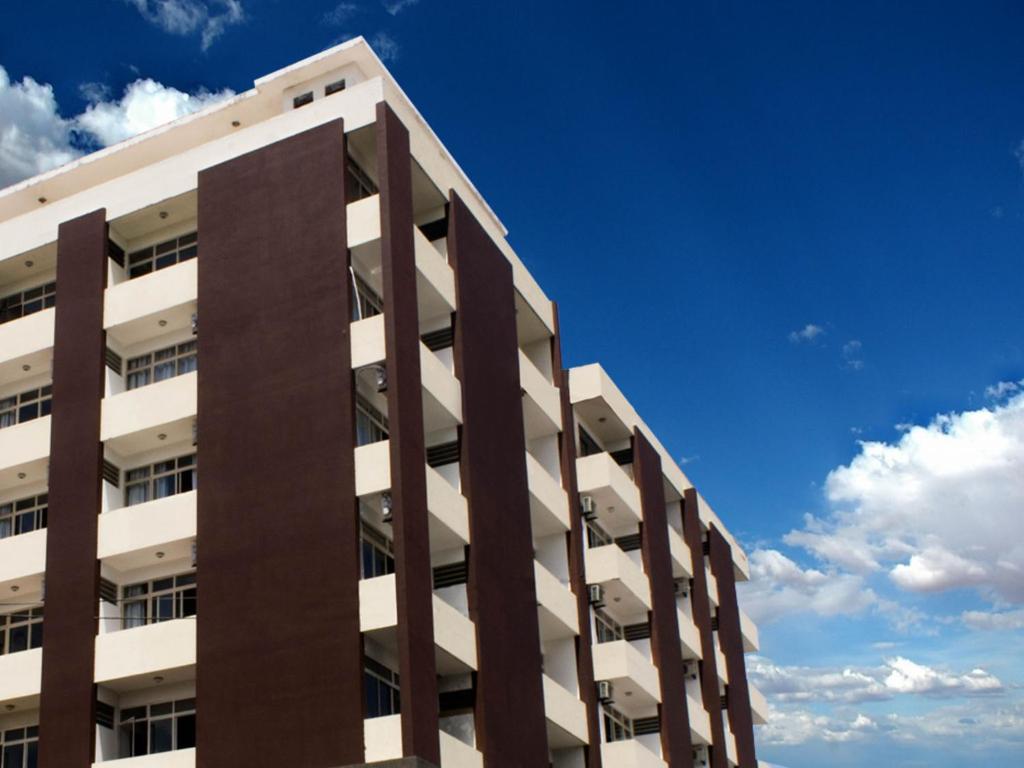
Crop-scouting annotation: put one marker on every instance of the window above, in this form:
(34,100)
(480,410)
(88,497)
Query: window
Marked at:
(382,697)
(27,302)
(157,728)
(21,631)
(165,478)
(606,628)
(166,254)
(365,301)
(302,100)
(358,184)
(162,364)
(371,424)
(597,536)
(588,445)
(617,727)
(23,516)
(24,407)
(19,747)
(151,602)
(331,88)
(377,558)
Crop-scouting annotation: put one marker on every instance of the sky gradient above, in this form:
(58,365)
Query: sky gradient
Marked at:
(793,236)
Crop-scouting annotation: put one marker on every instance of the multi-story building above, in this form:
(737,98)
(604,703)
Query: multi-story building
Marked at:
(416,535)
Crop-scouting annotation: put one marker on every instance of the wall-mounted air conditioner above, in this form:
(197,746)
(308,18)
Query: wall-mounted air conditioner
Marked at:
(595,594)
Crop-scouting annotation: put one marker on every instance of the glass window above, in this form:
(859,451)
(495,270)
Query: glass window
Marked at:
(588,445)
(21,631)
(157,728)
(617,727)
(358,184)
(27,302)
(371,424)
(166,254)
(159,480)
(19,747)
(23,516)
(166,363)
(151,602)
(597,536)
(365,301)
(26,406)
(377,557)
(606,628)
(382,696)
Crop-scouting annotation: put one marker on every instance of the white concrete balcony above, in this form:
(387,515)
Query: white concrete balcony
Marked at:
(629,754)
(748,629)
(633,677)
(134,309)
(23,339)
(132,421)
(21,676)
(689,636)
(712,583)
(566,716)
(128,659)
(179,758)
(682,562)
(627,591)
(542,407)
(454,634)
(435,280)
(22,561)
(363,221)
(723,673)
(758,705)
(449,512)
(382,740)
(549,503)
(367,341)
(700,723)
(130,537)
(615,495)
(730,743)
(22,444)
(556,604)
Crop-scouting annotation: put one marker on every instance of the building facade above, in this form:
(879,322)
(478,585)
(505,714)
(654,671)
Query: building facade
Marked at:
(417,536)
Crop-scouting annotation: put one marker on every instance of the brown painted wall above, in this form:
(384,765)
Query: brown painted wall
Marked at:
(576,542)
(411,527)
(280,665)
(68,703)
(741,722)
(702,618)
(510,723)
(666,644)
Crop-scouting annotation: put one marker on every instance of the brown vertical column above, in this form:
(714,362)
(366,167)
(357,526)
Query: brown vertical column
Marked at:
(702,618)
(280,665)
(411,527)
(666,644)
(741,722)
(576,543)
(67,723)
(510,726)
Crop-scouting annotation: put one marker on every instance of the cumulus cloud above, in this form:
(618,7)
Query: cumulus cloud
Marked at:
(850,685)
(35,137)
(1002,389)
(144,105)
(994,620)
(808,333)
(188,17)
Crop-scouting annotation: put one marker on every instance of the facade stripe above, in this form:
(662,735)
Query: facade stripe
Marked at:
(576,542)
(666,644)
(411,526)
(278,517)
(68,695)
(510,724)
(741,721)
(702,618)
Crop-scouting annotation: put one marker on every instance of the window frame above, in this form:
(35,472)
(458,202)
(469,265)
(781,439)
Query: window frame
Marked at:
(28,619)
(183,466)
(128,727)
(27,302)
(378,678)
(14,406)
(607,629)
(615,724)
(183,358)
(176,250)
(17,510)
(370,419)
(378,547)
(152,592)
(27,737)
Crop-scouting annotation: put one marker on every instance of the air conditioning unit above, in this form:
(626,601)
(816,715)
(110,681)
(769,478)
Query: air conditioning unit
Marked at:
(604,691)
(700,756)
(682,587)
(595,594)
(589,507)
(690,670)
(387,507)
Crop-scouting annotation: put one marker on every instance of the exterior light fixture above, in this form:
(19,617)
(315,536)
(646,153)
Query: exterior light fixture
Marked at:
(163,214)
(30,263)
(159,555)
(235,123)
(21,475)
(162,323)
(161,436)
(9,707)
(158,679)
(26,367)
(42,199)
(15,588)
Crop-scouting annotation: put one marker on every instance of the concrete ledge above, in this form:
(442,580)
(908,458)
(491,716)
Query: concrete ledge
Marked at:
(402,762)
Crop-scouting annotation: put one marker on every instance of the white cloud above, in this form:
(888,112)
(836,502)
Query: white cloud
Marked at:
(35,137)
(341,14)
(187,17)
(994,620)
(394,7)
(385,46)
(145,104)
(1019,154)
(808,333)
(1003,389)
(907,677)
(853,355)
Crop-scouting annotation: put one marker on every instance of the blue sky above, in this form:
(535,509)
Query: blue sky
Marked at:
(792,232)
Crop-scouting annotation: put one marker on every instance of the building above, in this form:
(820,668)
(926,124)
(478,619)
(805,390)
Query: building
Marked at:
(416,534)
